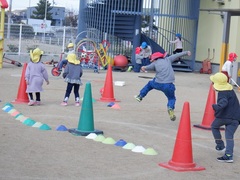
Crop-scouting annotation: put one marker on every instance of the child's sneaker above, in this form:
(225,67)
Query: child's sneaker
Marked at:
(226,158)
(64,103)
(31,103)
(220,148)
(138,98)
(38,103)
(77,104)
(129,69)
(171,114)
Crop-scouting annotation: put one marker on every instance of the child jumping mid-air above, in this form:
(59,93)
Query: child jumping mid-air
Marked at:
(163,80)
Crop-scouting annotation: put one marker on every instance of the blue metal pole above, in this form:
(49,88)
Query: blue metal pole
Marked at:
(81,22)
(137,34)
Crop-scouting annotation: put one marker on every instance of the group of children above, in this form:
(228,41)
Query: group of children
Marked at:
(227,108)
(142,56)
(36,73)
(144,52)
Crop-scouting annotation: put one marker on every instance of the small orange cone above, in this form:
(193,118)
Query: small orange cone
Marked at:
(208,116)
(22,96)
(108,93)
(182,158)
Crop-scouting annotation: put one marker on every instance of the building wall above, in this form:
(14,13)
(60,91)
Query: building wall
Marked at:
(169,16)
(210,30)
(58,14)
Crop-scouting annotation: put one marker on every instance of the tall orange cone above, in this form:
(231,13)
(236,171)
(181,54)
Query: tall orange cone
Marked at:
(108,93)
(208,116)
(22,96)
(182,158)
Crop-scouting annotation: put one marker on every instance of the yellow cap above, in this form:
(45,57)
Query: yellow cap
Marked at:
(35,55)
(72,58)
(70,45)
(220,82)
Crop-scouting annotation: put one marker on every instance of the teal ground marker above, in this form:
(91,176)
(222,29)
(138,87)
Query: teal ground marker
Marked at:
(29,122)
(45,127)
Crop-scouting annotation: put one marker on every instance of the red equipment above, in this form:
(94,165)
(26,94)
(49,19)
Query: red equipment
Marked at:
(206,64)
(55,70)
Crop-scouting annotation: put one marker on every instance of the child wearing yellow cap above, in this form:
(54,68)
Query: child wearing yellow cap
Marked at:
(227,113)
(64,61)
(35,75)
(72,74)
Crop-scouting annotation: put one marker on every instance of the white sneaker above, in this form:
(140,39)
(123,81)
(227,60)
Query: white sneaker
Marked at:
(31,103)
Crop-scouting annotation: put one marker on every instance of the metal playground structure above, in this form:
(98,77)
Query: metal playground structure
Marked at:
(91,55)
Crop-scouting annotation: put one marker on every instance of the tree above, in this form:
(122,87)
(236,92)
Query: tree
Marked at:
(71,21)
(71,18)
(40,10)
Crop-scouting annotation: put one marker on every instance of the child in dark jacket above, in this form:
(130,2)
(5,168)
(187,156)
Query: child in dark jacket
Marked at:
(72,74)
(227,113)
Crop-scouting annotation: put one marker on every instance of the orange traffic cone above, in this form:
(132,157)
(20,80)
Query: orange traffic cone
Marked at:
(108,94)
(22,96)
(208,116)
(182,158)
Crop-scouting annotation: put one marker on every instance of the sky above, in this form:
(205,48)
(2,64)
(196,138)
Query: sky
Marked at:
(23,4)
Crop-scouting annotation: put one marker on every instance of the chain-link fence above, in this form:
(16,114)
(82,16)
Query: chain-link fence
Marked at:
(21,39)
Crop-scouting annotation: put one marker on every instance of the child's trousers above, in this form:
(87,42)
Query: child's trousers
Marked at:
(69,90)
(231,127)
(167,88)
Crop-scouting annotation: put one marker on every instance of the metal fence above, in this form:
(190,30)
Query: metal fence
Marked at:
(166,18)
(22,39)
(169,16)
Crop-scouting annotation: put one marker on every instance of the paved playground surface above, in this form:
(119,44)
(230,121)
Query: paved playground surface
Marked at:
(29,153)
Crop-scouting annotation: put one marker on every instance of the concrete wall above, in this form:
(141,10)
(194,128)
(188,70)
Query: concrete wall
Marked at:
(210,31)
